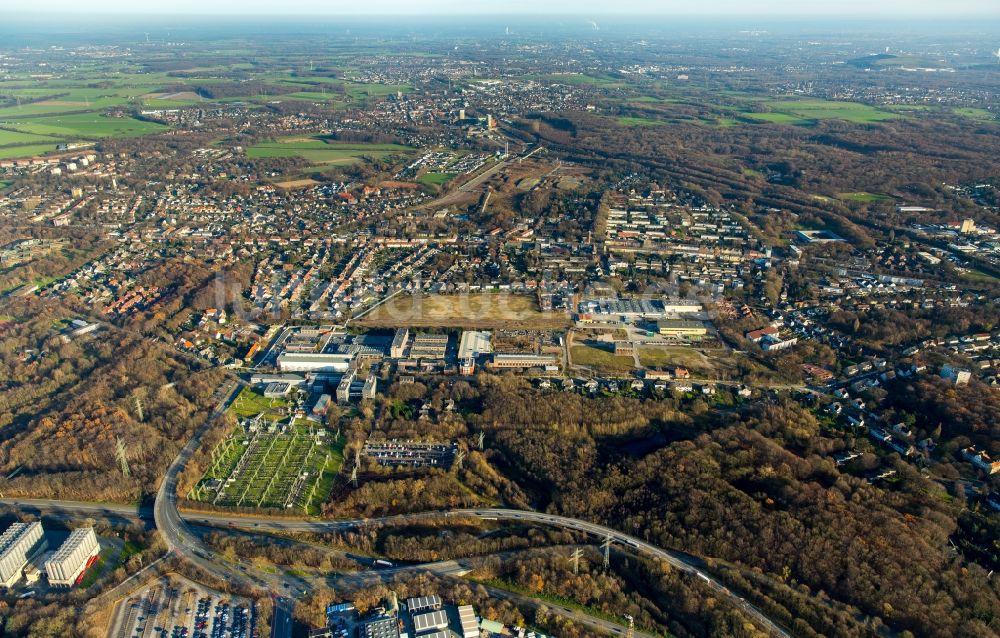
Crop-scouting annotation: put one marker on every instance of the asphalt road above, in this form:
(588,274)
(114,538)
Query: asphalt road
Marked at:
(281,619)
(178,537)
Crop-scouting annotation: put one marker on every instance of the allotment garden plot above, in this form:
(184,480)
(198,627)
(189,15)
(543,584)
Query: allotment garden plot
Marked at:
(272,465)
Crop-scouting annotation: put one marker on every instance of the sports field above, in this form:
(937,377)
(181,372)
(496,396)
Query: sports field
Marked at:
(482,310)
(320,151)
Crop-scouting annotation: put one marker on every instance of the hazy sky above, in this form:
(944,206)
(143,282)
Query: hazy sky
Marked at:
(844,8)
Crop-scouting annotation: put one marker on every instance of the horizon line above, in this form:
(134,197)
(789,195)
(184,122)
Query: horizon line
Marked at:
(786,15)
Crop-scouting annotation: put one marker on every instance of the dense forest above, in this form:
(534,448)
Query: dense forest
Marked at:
(751,489)
(64,404)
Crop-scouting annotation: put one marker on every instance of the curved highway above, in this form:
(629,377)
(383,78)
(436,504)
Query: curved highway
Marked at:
(176,534)
(677,560)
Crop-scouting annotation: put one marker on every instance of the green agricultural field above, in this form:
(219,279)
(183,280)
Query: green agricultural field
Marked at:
(779,118)
(578,79)
(319,98)
(981,115)
(321,152)
(3,185)
(64,99)
(361,91)
(87,126)
(863,197)
(12,152)
(436,179)
(639,121)
(815,110)
(908,108)
(723,122)
(13,138)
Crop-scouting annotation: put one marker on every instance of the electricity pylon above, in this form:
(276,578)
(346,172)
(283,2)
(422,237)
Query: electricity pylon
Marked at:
(606,546)
(575,557)
(122,455)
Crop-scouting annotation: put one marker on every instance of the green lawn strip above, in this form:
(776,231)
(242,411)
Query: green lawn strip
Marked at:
(250,404)
(130,549)
(95,571)
(862,196)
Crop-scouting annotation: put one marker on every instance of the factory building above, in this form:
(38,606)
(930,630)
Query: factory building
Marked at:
(467,618)
(370,387)
(72,558)
(681,328)
(521,361)
(473,344)
(398,348)
(423,603)
(18,545)
(384,627)
(312,362)
(431,621)
(624,348)
(344,387)
(630,310)
(429,346)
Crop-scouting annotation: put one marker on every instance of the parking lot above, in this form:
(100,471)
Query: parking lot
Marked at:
(178,608)
(410,453)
